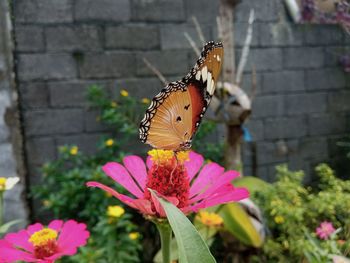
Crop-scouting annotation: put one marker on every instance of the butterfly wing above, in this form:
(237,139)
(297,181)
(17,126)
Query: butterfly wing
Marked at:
(175,113)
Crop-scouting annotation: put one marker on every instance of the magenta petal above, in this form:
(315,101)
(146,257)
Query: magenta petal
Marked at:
(206,177)
(223,179)
(11,254)
(137,168)
(125,199)
(72,235)
(144,206)
(149,162)
(20,239)
(34,228)
(194,164)
(226,194)
(159,208)
(119,174)
(56,225)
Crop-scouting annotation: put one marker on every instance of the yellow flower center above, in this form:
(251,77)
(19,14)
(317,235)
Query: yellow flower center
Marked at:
(115,211)
(164,156)
(109,142)
(209,219)
(74,150)
(134,235)
(124,93)
(43,236)
(279,219)
(145,101)
(3,183)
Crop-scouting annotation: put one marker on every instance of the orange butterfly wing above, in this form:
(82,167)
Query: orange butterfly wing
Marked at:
(175,113)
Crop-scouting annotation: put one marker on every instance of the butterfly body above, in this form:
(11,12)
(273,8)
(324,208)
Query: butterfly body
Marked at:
(175,113)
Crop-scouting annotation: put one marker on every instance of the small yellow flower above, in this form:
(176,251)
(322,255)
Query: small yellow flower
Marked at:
(210,219)
(183,156)
(8,183)
(109,142)
(114,104)
(145,101)
(115,211)
(124,93)
(74,150)
(43,236)
(161,156)
(134,235)
(2,184)
(279,219)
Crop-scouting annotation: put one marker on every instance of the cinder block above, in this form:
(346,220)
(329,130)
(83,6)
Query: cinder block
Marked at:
(326,79)
(137,87)
(158,10)
(33,95)
(29,38)
(331,35)
(205,11)
(264,59)
(279,34)
(267,153)
(49,122)
(303,58)
(326,124)
(315,148)
(268,106)
(168,62)
(139,37)
(43,11)
(265,11)
(72,93)
(46,66)
(40,150)
(72,38)
(93,124)
(256,129)
(240,34)
(283,128)
(283,82)
(107,65)
(172,36)
(339,101)
(102,10)
(306,103)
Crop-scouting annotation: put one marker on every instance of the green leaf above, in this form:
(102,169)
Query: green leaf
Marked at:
(5,227)
(238,223)
(192,247)
(253,184)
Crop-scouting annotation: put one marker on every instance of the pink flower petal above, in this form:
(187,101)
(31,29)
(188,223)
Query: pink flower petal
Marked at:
(144,206)
(119,174)
(223,179)
(194,164)
(159,208)
(56,225)
(123,198)
(72,235)
(149,162)
(11,254)
(137,168)
(206,177)
(34,228)
(20,239)
(226,194)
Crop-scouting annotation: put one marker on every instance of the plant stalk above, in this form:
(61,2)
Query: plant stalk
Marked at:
(165,233)
(1,207)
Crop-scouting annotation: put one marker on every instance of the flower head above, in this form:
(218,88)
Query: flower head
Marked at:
(114,104)
(124,93)
(115,211)
(109,142)
(134,235)
(74,150)
(43,244)
(325,230)
(209,219)
(145,101)
(8,183)
(180,178)
(279,219)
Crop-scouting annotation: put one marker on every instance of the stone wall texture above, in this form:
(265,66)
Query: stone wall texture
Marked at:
(303,97)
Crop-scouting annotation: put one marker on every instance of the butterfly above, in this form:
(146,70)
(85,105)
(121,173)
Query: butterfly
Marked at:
(174,115)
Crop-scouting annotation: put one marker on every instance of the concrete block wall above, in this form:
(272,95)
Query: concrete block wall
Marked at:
(62,47)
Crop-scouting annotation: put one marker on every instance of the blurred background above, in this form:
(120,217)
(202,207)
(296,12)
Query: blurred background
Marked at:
(64,67)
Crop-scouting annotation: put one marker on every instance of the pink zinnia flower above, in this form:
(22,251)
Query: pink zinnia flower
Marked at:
(43,244)
(179,178)
(325,230)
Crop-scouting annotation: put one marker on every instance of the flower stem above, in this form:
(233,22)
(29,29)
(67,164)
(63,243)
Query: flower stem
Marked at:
(1,207)
(165,233)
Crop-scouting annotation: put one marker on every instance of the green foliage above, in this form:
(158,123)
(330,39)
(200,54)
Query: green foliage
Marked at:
(291,209)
